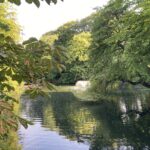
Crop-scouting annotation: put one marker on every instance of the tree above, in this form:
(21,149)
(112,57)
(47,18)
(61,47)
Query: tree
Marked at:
(120,47)
(29,62)
(10,60)
(78,47)
(78,56)
(8,24)
(49,38)
(74,38)
(65,33)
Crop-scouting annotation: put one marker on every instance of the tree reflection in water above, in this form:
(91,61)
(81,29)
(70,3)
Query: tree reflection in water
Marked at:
(105,125)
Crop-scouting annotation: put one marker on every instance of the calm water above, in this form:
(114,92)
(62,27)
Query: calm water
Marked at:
(63,122)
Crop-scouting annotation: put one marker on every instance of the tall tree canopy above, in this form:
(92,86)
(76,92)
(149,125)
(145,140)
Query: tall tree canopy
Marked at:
(8,24)
(75,38)
(120,49)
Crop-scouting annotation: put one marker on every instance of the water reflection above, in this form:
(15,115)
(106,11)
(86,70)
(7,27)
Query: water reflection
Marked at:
(64,122)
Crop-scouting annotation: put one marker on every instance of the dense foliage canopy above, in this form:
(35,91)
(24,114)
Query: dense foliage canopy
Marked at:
(29,62)
(75,38)
(120,46)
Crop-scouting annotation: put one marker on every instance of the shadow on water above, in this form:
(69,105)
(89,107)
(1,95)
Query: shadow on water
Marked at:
(106,125)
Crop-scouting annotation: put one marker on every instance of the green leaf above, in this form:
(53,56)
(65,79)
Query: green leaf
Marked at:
(50,86)
(17,2)
(24,122)
(17,78)
(54,1)
(48,2)
(36,2)
(46,57)
(29,1)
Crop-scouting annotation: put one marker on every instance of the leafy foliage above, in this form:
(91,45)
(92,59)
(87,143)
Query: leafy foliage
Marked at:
(29,62)
(78,46)
(8,24)
(36,2)
(120,44)
(75,39)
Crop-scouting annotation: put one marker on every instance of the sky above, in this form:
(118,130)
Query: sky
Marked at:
(37,21)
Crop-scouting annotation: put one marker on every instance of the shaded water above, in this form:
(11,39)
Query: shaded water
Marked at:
(63,122)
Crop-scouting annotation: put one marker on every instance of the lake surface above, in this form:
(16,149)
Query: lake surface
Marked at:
(64,122)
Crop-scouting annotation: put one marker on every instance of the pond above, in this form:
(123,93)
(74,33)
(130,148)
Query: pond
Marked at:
(64,122)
